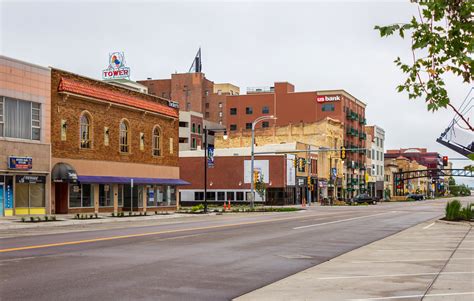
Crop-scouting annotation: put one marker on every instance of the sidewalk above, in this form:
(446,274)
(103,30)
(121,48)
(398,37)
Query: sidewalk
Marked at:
(431,261)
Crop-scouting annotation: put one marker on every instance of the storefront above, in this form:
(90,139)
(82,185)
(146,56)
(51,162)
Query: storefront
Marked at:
(22,194)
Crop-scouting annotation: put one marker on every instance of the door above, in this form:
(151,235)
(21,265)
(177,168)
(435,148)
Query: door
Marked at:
(1,200)
(61,197)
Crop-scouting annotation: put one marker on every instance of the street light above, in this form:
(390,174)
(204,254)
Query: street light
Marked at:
(252,184)
(206,130)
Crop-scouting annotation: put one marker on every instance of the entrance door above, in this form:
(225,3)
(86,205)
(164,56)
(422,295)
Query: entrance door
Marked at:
(1,200)
(61,197)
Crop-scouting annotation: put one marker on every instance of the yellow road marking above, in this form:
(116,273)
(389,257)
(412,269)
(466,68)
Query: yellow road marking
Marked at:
(143,234)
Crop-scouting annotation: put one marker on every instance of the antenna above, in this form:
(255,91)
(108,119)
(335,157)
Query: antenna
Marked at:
(196,66)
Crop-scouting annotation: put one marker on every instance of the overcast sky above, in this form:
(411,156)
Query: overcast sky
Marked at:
(315,45)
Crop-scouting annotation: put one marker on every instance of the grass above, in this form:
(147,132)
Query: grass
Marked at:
(455,212)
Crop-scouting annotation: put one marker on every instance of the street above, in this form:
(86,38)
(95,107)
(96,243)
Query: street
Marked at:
(210,258)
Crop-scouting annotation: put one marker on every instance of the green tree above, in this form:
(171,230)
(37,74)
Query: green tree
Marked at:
(260,186)
(451,181)
(442,44)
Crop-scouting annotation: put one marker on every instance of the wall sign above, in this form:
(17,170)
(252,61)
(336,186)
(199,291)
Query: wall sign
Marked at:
(327,98)
(30,179)
(116,69)
(23,163)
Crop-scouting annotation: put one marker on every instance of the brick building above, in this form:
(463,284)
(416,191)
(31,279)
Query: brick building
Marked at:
(286,183)
(113,149)
(25,144)
(289,106)
(429,159)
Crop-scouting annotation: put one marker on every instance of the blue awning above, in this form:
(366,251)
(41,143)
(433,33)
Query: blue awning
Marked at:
(127,180)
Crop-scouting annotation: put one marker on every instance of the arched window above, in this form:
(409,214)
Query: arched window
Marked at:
(156,141)
(85,131)
(124,136)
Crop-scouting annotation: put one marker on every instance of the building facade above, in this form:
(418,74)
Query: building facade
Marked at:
(375,153)
(25,141)
(286,182)
(113,149)
(289,106)
(401,164)
(191,131)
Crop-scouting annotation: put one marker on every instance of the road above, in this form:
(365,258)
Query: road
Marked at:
(210,258)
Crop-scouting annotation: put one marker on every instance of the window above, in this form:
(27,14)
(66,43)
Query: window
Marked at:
(248,126)
(211,196)
(85,131)
(240,195)
(327,107)
(81,195)
(171,145)
(124,137)
(199,129)
(221,196)
(233,127)
(193,128)
(206,92)
(220,114)
(220,105)
(199,196)
(207,114)
(219,92)
(142,141)
(156,141)
(265,110)
(207,105)
(20,119)
(265,124)
(120,196)
(233,111)
(183,124)
(63,129)
(106,198)
(106,136)
(230,196)
(193,143)
(248,110)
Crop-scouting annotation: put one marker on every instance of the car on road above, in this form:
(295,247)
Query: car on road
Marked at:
(415,196)
(363,198)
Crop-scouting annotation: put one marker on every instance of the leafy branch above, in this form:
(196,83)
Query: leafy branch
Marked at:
(442,44)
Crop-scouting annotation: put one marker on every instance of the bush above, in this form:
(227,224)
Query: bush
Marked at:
(466,212)
(23,219)
(197,208)
(130,213)
(453,209)
(53,218)
(96,215)
(38,219)
(45,218)
(32,219)
(77,216)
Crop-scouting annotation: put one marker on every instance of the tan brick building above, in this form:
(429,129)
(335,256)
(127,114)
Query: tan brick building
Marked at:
(25,117)
(326,133)
(112,149)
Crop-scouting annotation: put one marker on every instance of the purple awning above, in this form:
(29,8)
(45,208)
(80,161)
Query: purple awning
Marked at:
(126,180)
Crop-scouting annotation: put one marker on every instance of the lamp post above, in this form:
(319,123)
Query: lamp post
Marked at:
(252,184)
(206,130)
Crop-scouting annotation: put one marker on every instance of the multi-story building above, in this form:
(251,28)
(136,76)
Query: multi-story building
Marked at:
(285,183)
(431,160)
(289,106)
(194,92)
(321,134)
(191,130)
(375,153)
(400,164)
(113,148)
(25,141)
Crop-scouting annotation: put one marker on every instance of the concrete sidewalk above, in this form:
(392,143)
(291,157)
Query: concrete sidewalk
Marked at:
(431,261)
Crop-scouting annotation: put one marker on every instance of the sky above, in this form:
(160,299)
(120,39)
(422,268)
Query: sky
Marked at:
(315,45)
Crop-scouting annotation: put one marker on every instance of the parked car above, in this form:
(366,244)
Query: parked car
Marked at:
(363,198)
(415,196)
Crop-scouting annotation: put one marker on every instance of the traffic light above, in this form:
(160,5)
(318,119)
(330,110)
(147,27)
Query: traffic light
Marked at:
(343,152)
(445,160)
(295,162)
(309,180)
(301,164)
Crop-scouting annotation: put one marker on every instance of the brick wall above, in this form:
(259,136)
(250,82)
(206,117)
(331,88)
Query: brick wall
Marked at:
(102,115)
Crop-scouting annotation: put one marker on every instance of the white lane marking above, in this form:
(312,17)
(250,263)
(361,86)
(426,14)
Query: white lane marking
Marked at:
(341,220)
(429,226)
(437,249)
(392,275)
(411,260)
(416,296)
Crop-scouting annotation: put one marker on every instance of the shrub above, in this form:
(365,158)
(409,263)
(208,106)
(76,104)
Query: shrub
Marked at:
(197,208)
(38,219)
(91,216)
(23,219)
(156,212)
(130,213)
(96,215)
(32,219)
(53,218)
(113,214)
(453,209)
(77,216)
(466,212)
(45,218)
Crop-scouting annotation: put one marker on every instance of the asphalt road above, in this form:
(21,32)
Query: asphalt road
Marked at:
(211,258)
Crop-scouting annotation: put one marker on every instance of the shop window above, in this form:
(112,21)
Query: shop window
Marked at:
(124,137)
(248,126)
(106,198)
(211,196)
(20,119)
(221,196)
(265,110)
(240,195)
(81,195)
(199,196)
(120,196)
(156,141)
(106,136)
(230,196)
(248,110)
(233,111)
(30,191)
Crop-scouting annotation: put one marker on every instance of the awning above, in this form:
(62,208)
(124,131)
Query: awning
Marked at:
(127,180)
(63,172)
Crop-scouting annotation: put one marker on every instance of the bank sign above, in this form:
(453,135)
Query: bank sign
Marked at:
(23,163)
(116,69)
(327,98)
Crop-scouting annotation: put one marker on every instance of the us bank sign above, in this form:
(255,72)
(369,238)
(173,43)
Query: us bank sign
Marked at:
(116,67)
(331,98)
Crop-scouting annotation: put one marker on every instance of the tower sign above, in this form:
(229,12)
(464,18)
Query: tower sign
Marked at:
(116,67)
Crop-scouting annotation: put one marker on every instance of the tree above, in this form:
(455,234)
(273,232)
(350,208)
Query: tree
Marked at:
(442,44)
(451,181)
(260,186)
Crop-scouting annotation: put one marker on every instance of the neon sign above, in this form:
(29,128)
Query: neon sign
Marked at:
(116,69)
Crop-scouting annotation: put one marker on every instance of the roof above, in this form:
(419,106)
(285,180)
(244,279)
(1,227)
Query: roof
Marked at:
(76,87)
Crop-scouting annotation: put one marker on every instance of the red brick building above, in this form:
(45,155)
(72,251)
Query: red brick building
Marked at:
(420,155)
(305,107)
(112,148)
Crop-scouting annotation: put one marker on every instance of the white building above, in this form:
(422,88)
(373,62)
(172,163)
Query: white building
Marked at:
(376,158)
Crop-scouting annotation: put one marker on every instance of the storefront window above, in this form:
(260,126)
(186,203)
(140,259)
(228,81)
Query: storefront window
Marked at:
(106,198)
(21,194)
(37,192)
(150,199)
(120,195)
(240,195)
(30,191)
(221,196)
(230,195)
(81,195)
